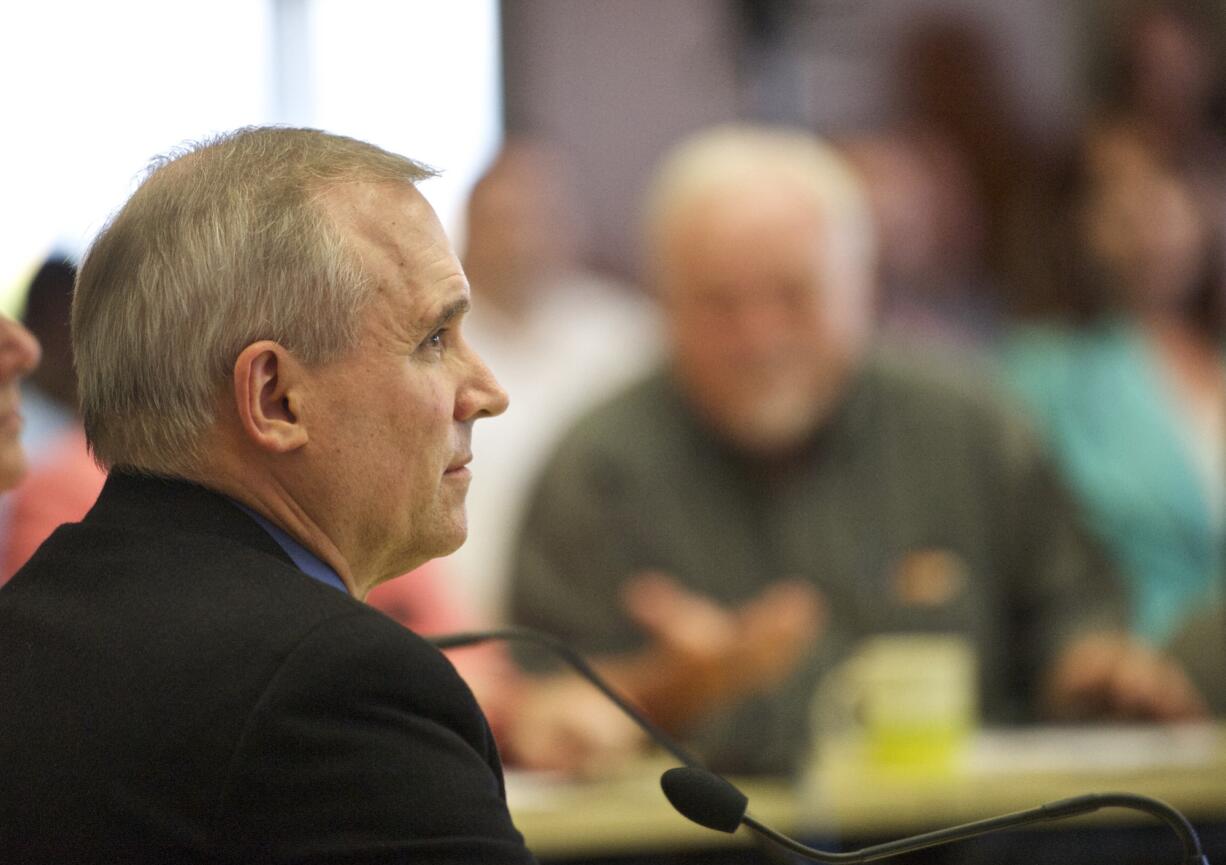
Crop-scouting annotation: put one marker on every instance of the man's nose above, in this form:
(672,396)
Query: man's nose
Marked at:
(482,395)
(762,325)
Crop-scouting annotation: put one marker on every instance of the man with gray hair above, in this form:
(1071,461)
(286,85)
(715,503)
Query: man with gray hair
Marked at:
(779,458)
(268,339)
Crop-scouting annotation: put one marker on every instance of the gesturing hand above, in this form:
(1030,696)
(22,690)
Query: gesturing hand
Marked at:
(1110,676)
(701,654)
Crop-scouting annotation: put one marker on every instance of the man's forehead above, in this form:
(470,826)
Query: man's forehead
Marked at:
(735,214)
(381,215)
(401,244)
(733,228)
(392,228)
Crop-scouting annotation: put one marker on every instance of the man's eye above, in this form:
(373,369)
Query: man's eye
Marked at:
(435,340)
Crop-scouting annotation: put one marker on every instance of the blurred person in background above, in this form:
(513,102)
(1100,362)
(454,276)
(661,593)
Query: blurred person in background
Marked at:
(932,281)
(63,480)
(50,397)
(955,94)
(1164,81)
(561,337)
(1128,387)
(781,473)
(1156,90)
(19,356)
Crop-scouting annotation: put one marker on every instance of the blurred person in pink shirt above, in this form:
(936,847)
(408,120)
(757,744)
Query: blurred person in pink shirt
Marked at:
(62,481)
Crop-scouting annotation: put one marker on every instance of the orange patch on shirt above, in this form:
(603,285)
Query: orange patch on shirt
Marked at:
(929,578)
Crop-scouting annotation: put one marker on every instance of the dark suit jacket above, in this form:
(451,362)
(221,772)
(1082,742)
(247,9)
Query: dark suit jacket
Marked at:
(173,689)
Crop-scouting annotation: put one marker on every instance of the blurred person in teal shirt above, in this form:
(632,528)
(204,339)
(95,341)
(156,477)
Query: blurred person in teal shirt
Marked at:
(1129,388)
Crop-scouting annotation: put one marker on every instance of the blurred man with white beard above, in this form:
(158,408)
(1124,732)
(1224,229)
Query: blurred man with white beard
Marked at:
(780,464)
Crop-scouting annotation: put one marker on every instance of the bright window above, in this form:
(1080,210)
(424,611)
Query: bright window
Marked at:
(91,91)
(419,78)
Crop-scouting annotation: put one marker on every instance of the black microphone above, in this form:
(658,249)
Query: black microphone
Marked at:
(715,803)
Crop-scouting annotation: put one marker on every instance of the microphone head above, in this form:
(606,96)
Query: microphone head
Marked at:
(705,798)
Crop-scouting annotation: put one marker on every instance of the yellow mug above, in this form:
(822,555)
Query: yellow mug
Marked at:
(904,701)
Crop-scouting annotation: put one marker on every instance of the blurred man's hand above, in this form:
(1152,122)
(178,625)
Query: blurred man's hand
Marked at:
(1110,676)
(700,656)
(563,724)
(715,654)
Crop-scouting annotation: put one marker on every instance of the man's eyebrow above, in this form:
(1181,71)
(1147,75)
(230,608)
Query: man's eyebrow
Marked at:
(450,312)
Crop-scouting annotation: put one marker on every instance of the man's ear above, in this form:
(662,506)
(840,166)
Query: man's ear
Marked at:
(268,392)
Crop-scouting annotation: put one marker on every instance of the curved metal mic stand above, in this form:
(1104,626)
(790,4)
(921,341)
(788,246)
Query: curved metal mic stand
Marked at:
(703,788)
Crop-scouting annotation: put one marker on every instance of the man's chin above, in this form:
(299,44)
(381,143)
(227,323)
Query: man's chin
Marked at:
(768,445)
(772,432)
(453,544)
(448,540)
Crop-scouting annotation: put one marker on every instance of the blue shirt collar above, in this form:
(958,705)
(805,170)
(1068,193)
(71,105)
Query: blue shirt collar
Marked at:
(307,562)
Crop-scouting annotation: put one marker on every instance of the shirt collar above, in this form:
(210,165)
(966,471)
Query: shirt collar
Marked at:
(307,562)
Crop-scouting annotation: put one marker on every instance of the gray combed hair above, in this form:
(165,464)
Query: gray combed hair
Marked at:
(731,158)
(224,243)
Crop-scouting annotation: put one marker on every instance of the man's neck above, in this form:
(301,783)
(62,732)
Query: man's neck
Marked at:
(273,502)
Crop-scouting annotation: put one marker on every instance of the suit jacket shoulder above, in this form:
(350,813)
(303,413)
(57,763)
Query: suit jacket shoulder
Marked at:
(210,702)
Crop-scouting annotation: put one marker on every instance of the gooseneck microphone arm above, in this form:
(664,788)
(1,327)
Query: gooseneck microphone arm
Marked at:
(580,666)
(713,802)
(1192,853)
